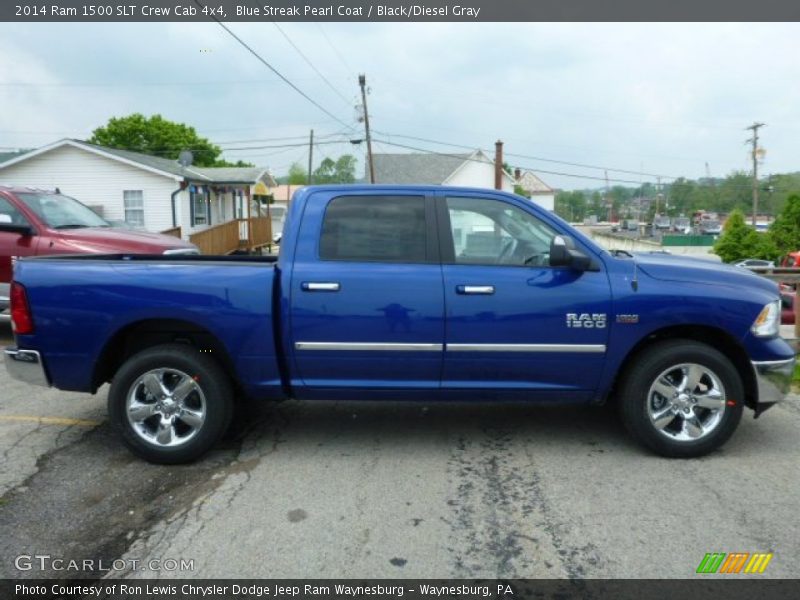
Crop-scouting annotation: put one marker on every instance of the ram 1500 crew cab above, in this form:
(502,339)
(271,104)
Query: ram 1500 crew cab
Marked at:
(404,293)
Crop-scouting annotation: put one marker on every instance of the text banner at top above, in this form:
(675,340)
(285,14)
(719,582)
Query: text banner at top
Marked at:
(401,10)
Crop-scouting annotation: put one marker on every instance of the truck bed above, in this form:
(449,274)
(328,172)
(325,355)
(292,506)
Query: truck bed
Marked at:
(92,308)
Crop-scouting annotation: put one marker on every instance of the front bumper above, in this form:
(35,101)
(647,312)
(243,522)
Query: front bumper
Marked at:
(774,379)
(27,366)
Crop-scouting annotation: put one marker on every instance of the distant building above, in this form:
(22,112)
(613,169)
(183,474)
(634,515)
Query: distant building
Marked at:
(473,169)
(538,190)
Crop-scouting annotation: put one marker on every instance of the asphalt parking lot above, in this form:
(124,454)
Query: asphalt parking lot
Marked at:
(392,490)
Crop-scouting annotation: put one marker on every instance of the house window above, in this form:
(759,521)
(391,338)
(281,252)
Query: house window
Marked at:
(134,207)
(199,209)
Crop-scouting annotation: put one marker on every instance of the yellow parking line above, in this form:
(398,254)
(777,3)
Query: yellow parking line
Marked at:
(49,420)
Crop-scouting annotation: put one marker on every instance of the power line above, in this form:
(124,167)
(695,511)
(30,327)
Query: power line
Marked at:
(335,50)
(539,158)
(311,64)
(260,147)
(112,84)
(273,69)
(559,173)
(538,170)
(462,130)
(316,143)
(276,139)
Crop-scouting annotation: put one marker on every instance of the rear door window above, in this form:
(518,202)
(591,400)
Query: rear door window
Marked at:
(375,229)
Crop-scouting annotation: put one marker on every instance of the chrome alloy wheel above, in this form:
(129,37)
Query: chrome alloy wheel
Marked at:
(686,402)
(165,407)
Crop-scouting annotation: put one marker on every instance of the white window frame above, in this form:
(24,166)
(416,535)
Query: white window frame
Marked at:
(200,216)
(129,196)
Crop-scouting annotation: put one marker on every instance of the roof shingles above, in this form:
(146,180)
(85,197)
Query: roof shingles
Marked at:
(411,168)
(168,165)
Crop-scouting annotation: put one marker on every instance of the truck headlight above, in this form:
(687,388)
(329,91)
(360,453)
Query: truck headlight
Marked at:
(768,321)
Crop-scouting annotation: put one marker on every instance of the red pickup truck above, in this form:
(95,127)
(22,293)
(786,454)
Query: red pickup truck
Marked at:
(37,222)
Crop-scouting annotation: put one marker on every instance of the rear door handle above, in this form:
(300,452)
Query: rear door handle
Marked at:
(475,289)
(320,286)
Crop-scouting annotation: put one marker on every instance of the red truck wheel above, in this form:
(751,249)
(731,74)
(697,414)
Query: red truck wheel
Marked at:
(681,398)
(171,403)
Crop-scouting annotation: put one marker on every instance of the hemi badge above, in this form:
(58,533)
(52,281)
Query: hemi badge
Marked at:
(630,319)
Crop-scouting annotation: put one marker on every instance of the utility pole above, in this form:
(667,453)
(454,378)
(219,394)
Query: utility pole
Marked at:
(754,141)
(658,195)
(498,165)
(362,81)
(310,155)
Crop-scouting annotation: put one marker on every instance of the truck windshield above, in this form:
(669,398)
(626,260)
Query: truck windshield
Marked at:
(62,212)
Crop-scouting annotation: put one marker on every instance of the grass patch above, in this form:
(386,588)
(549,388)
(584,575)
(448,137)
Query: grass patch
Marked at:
(796,377)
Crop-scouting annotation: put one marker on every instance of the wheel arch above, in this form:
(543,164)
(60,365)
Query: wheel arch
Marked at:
(711,336)
(140,335)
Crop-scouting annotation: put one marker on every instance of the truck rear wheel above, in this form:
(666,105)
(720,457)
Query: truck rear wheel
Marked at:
(170,403)
(681,398)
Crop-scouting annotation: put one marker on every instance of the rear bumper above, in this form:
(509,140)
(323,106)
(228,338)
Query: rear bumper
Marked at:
(27,366)
(774,379)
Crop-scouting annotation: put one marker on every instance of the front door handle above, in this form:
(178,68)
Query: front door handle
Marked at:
(320,286)
(475,289)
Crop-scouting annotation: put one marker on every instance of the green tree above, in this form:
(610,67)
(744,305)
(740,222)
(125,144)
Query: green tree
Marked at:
(738,240)
(297,175)
(571,206)
(342,170)
(735,192)
(520,191)
(785,230)
(157,136)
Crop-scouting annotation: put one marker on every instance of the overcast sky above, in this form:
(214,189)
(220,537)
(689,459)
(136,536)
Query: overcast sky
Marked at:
(659,98)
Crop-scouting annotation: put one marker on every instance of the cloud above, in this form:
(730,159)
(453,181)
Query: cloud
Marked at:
(663,98)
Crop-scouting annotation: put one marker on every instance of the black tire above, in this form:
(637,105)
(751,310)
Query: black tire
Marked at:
(640,412)
(210,395)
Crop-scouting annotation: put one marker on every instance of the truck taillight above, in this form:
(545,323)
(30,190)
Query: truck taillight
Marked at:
(21,317)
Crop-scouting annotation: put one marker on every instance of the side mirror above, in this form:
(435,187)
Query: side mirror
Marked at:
(563,253)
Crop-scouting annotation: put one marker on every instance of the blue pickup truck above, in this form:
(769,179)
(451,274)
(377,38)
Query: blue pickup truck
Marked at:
(404,293)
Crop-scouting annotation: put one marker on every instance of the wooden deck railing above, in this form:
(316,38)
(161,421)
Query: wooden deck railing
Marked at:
(239,234)
(174,232)
(260,231)
(217,240)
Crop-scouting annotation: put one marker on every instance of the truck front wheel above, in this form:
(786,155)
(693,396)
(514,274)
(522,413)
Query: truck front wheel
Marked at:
(681,398)
(170,403)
